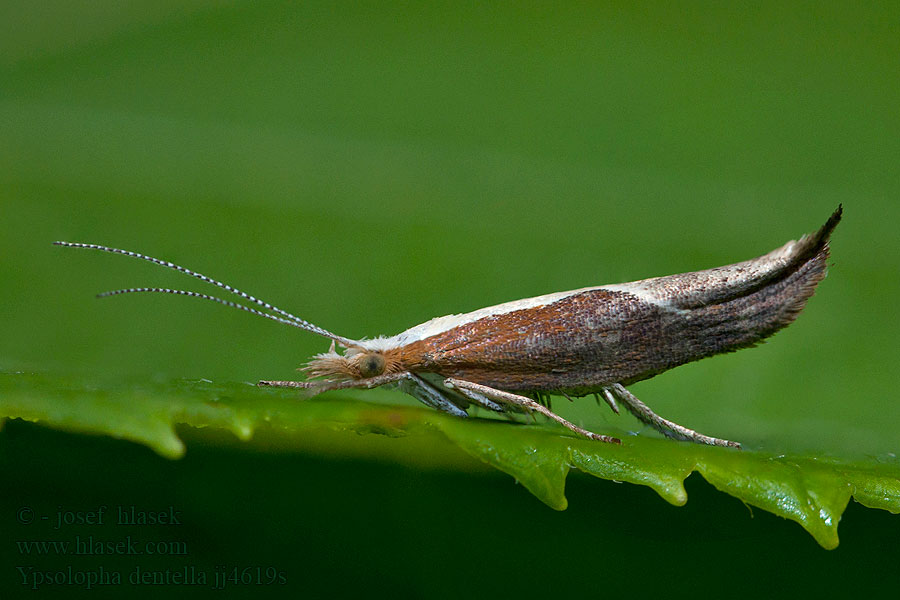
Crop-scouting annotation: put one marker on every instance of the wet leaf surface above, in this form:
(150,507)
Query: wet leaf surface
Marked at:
(811,490)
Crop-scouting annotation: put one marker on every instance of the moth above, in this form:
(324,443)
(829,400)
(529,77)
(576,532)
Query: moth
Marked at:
(591,341)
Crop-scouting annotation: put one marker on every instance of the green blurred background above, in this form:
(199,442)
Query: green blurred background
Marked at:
(371,166)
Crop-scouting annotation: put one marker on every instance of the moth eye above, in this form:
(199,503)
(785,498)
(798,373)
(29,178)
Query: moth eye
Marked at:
(371,365)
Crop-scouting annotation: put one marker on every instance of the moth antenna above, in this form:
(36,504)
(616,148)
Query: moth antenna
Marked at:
(286,317)
(204,297)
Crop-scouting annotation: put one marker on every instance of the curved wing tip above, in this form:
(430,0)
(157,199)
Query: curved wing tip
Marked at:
(832,221)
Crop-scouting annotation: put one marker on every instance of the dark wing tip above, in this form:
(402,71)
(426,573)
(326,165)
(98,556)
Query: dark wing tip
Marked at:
(825,232)
(815,243)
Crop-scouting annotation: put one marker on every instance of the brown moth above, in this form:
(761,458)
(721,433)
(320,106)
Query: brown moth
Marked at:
(593,340)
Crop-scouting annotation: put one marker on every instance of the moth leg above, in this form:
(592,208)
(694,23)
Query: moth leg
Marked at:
(611,400)
(479,399)
(643,413)
(317,387)
(285,384)
(412,384)
(474,391)
(429,395)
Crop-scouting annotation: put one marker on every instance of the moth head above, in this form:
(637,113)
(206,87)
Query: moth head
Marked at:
(355,363)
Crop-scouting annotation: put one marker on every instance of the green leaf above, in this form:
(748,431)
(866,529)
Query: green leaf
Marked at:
(811,490)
